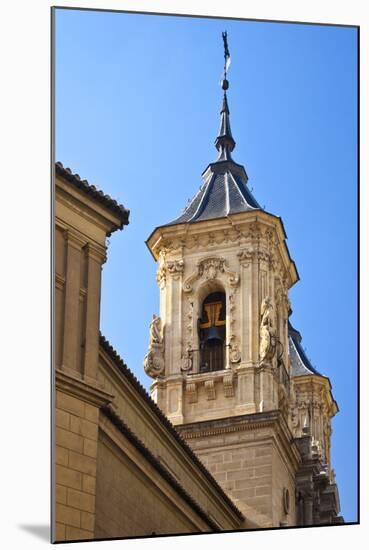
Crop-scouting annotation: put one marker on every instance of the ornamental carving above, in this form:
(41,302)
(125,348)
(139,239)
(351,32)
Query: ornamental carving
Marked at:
(191,391)
(268,341)
(228,385)
(282,298)
(210,389)
(189,323)
(187,361)
(209,269)
(161,276)
(246,256)
(175,268)
(154,359)
(254,231)
(234,352)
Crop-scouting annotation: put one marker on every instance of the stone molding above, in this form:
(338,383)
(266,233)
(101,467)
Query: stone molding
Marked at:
(90,392)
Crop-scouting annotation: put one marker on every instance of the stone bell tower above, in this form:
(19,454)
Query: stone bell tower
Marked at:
(219,350)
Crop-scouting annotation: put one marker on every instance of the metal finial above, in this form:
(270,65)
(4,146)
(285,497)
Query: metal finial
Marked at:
(227,62)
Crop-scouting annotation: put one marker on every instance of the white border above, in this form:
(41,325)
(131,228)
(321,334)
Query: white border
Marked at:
(25,273)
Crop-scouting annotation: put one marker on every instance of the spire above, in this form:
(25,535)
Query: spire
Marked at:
(224,141)
(224,190)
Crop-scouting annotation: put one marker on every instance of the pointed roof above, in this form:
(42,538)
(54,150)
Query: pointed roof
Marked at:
(224,190)
(300,363)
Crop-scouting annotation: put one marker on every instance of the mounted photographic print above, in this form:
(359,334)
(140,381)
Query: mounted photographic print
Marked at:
(205,365)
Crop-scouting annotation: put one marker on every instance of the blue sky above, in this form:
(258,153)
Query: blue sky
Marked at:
(137,112)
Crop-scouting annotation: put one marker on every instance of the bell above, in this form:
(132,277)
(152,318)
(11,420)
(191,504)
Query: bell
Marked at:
(214,333)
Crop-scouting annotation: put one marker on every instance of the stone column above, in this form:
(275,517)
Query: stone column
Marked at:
(71,306)
(95,259)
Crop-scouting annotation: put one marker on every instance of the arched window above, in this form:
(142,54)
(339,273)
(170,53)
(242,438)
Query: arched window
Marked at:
(212,332)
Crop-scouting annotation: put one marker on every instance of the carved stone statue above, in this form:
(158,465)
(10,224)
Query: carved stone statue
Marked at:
(155,330)
(268,341)
(154,359)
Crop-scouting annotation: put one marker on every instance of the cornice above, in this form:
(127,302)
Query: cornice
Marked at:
(260,232)
(244,423)
(77,387)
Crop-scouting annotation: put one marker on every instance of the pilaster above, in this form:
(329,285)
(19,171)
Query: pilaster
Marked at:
(95,258)
(71,305)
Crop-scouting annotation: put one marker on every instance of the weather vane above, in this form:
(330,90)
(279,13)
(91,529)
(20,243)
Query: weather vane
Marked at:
(227,61)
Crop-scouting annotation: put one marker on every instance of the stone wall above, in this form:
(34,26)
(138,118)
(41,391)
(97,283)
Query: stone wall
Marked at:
(132,503)
(252,459)
(75,469)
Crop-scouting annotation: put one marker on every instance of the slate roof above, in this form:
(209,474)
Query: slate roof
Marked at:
(300,363)
(224,190)
(93,192)
(220,195)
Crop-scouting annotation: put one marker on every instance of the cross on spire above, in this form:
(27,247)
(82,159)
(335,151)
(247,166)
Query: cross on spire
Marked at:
(224,141)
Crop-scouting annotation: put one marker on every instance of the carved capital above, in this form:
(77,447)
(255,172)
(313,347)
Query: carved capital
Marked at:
(97,252)
(246,256)
(74,239)
(175,268)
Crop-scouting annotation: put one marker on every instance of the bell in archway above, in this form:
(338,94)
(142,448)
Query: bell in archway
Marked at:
(214,333)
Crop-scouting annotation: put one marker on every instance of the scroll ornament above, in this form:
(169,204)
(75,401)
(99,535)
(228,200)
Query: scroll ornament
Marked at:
(209,269)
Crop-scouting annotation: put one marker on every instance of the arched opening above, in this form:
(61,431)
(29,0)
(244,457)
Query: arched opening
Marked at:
(212,332)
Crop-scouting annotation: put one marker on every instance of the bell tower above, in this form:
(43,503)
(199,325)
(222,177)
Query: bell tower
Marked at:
(219,349)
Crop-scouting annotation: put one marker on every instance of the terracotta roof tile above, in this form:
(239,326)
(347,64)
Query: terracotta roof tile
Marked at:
(93,192)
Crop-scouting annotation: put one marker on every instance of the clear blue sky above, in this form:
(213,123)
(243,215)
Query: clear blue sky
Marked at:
(137,112)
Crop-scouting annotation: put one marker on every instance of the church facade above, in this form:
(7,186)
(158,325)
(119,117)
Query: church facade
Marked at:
(236,433)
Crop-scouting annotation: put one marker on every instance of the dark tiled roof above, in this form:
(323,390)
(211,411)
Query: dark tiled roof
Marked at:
(223,193)
(128,374)
(93,192)
(300,363)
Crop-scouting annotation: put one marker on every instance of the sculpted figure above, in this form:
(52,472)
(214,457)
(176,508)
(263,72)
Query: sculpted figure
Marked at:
(155,330)
(154,359)
(267,331)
